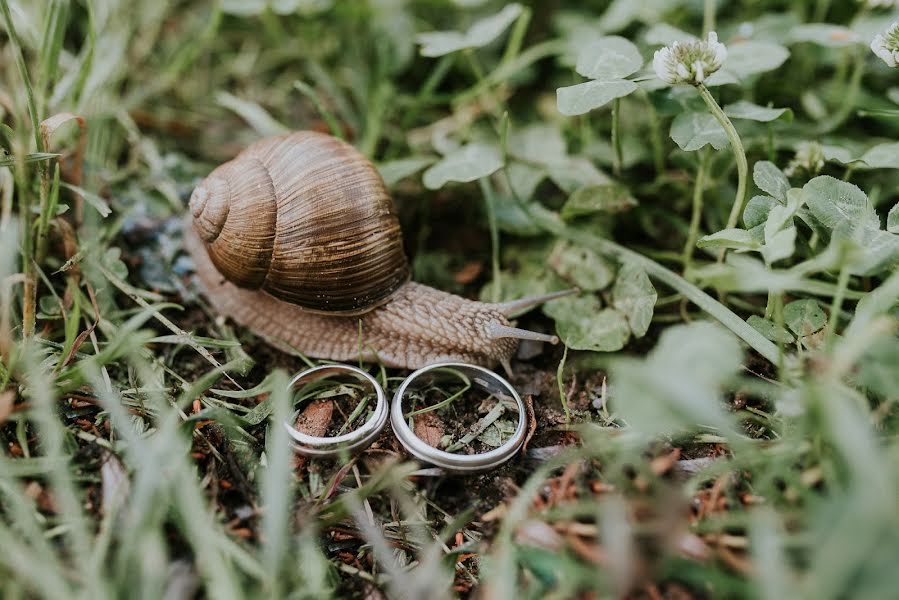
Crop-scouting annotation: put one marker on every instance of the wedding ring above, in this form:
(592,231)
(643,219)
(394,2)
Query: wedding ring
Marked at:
(479,377)
(353,441)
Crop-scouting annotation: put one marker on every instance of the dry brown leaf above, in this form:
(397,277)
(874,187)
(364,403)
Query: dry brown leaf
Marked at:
(662,464)
(468,273)
(75,174)
(429,429)
(7,400)
(532,421)
(314,420)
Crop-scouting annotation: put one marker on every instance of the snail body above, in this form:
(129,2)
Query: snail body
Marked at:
(297,239)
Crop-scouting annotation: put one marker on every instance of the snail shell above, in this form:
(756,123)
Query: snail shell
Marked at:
(297,239)
(306,218)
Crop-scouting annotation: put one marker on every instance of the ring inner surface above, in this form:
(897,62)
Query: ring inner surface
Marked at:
(460,411)
(331,403)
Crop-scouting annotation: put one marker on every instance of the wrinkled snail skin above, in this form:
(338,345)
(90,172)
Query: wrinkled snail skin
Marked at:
(418,326)
(297,240)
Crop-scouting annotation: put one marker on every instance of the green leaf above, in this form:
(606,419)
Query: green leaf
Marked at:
(8,161)
(603,197)
(524,179)
(893,219)
(893,94)
(394,171)
(780,245)
(611,57)
(804,317)
(584,97)
(576,172)
(583,324)
(837,153)
(882,156)
(694,130)
(466,164)
(635,296)
(824,34)
(663,34)
(581,266)
(757,209)
(875,250)
(256,117)
(94,200)
(754,112)
(736,239)
(247,8)
(622,13)
(877,369)
(498,432)
(678,386)
(438,43)
(770,330)
(112,260)
(538,143)
(782,216)
(770,179)
(834,202)
(753,57)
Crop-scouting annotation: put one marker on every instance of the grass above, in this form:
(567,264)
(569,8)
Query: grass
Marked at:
(724,428)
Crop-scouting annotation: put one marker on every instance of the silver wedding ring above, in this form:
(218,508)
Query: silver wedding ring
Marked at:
(353,441)
(461,463)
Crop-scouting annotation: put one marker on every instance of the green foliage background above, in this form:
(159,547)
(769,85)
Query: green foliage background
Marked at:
(760,355)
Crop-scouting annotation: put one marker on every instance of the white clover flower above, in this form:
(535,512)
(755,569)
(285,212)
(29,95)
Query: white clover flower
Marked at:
(809,160)
(886,45)
(689,62)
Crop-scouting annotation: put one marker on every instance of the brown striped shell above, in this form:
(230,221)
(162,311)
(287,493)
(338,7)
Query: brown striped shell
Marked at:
(307,218)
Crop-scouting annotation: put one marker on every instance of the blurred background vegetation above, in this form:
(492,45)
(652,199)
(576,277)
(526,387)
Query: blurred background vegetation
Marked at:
(137,457)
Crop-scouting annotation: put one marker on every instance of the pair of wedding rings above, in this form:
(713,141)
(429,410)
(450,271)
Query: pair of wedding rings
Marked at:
(422,379)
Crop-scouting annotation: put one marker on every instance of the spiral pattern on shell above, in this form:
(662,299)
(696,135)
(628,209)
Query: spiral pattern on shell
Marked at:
(307,218)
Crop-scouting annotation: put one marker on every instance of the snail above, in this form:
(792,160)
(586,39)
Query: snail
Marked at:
(297,239)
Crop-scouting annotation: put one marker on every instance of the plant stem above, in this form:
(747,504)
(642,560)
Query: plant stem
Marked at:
(739,155)
(561,383)
(849,97)
(837,304)
(505,70)
(708,17)
(821,9)
(489,203)
(655,130)
(698,190)
(23,73)
(779,321)
(29,300)
(616,137)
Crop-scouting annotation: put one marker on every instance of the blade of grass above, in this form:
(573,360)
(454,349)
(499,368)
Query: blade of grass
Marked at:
(277,488)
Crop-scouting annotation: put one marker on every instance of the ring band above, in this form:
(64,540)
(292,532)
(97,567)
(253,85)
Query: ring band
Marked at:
(461,463)
(352,441)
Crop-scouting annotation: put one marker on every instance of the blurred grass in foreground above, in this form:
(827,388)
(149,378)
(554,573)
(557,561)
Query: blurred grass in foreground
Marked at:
(138,459)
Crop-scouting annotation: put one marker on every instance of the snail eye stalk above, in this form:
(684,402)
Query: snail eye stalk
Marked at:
(514,306)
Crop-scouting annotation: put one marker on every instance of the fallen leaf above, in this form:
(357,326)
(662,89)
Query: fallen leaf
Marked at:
(468,273)
(7,400)
(429,429)
(314,420)
(662,464)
